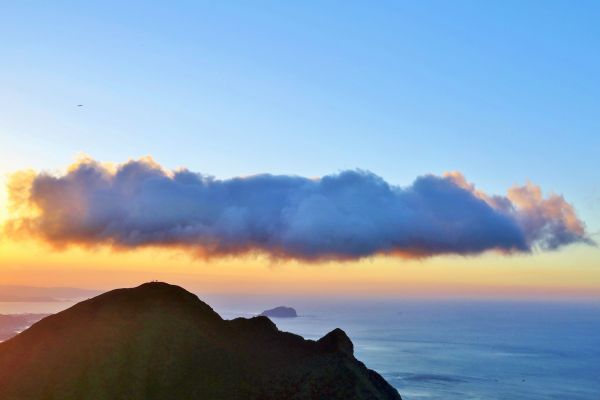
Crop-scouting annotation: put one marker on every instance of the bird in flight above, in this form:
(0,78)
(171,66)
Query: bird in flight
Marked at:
(79,105)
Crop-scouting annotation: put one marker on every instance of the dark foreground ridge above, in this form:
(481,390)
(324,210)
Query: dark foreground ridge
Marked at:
(158,341)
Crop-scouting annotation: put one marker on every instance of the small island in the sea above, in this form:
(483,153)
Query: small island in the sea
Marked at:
(280,312)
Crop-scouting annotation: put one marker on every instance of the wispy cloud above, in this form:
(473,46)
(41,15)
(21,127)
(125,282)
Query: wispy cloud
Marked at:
(349,215)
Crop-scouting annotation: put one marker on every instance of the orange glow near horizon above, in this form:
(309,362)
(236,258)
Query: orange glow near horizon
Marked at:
(490,276)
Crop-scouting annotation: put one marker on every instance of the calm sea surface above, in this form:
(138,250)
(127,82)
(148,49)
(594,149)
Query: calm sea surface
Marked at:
(469,350)
(452,350)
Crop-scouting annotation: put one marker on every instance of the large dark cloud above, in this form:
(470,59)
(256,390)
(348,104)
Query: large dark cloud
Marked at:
(348,215)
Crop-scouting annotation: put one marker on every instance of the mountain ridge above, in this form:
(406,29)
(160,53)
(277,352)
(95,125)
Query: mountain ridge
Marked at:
(159,341)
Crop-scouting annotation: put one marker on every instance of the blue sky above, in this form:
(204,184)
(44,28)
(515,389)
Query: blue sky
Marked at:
(503,92)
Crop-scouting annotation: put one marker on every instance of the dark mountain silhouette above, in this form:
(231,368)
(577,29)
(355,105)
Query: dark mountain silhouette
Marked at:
(158,341)
(280,312)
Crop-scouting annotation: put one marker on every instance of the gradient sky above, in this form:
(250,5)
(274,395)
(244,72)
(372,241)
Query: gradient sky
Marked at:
(505,93)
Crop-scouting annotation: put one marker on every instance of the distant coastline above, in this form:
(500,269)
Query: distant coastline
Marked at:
(29,299)
(32,294)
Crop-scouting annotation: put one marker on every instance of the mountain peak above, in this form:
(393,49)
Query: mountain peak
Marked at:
(154,285)
(337,340)
(152,296)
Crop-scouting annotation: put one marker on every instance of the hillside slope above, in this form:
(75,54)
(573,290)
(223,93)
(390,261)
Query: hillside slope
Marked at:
(158,341)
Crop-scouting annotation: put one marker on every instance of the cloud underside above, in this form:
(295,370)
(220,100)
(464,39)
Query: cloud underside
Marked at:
(349,215)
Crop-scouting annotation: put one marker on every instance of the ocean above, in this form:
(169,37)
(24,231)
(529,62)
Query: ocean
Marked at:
(465,350)
(447,350)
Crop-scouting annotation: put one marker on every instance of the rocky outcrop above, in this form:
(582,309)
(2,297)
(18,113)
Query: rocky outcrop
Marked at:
(280,312)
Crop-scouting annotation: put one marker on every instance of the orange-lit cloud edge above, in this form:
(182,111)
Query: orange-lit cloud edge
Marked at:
(570,273)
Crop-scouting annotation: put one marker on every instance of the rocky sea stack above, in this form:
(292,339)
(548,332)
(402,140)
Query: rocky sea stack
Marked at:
(158,341)
(280,312)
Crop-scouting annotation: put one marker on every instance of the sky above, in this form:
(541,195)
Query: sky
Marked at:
(504,93)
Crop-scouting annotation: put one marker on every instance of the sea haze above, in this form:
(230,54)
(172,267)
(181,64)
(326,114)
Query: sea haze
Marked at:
(446,350)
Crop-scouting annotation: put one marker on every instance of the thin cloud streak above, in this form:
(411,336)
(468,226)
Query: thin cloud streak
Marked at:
(345,216)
